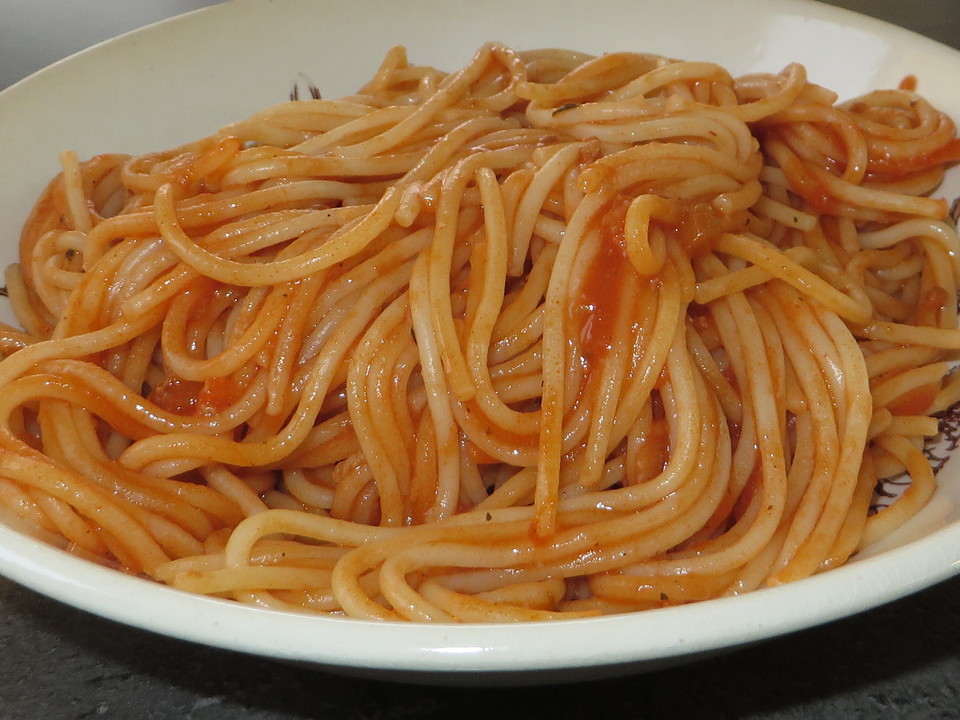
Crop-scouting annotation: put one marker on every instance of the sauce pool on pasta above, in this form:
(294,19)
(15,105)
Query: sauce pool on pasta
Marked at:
(549,336)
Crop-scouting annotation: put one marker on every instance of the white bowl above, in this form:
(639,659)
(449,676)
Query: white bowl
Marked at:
(184,78)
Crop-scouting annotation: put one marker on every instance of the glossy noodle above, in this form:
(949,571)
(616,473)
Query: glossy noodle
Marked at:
(550,336)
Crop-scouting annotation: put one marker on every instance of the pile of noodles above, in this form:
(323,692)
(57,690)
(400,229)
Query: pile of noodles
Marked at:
(550,336)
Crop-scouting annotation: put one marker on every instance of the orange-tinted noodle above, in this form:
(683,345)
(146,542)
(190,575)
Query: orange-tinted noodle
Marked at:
(550,336)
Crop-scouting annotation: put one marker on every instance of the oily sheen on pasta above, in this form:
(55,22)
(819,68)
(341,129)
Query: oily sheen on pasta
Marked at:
(550,336)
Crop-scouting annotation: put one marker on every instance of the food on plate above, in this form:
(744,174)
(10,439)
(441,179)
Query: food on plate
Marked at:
(549,336)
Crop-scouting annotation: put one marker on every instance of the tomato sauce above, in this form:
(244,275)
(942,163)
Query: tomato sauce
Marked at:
(176,395)
(701,224)
(192,398)
(909,83)
(594,310)
(916,401)
(806,185)
(931,306)
(885,166)
(218,394)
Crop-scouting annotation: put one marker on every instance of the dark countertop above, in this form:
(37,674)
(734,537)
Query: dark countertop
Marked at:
(898,661)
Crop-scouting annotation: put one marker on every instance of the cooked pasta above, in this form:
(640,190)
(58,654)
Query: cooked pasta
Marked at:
(549,336)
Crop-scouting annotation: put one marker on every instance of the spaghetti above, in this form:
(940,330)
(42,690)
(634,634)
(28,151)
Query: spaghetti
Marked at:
(550,336)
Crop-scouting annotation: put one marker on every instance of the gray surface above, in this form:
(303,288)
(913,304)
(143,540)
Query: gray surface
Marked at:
(899,661)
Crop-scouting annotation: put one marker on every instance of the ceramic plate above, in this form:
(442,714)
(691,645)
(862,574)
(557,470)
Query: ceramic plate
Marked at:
(184,78)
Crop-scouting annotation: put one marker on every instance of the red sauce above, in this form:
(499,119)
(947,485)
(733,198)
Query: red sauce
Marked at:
(177,395)
(595,309)
(218,394)
(696,227)
(700,225)
(881,167)
(931,305)
(909,83)
(914,402)
(807,186)
(192,398)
